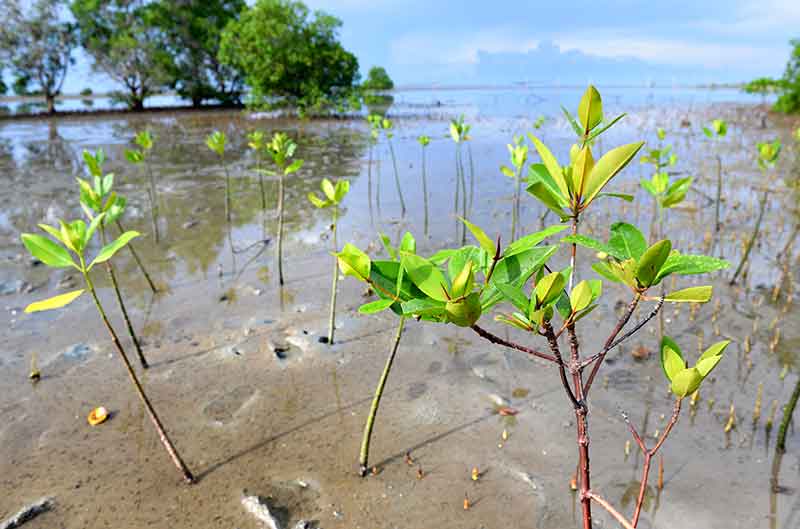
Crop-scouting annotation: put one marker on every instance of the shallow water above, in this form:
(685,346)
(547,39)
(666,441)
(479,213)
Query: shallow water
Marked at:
(246,419)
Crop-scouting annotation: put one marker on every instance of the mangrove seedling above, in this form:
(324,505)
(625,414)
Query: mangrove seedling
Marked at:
(217,141)
(408,246)
(424,141)
(518,152)
(333,194)
(461,285)
(142,156)
(665,194)
(716,132)
(282,148)
(256,142)
(459,132)
(768,154)
(374,121)
(97,198)
(388,130)
(75,237)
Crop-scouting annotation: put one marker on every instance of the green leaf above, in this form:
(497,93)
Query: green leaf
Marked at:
(108,182)
(516,270)
(47,251)
(605,127)
(623,196)
(588,242)
(329,190)
(572,122)
(686,382)
(375,306)
(652,261)
(408,244)
(549,288)
(464,281)
(442,255)
(604,270)
(318,202)
(711,357)
(353,262)
(425,307)
(626,242)
(690,295)
(508,171)
(515,321)
(708,132)
(590,109)
(547,197)
(427,276)
(52,231)
(92,228)
(484,240)
(293,167)
(342,188)
(532,239)
(387,245)
(460,258)
(581,296)
(108,251)
(515,295)
(465,312)
(56,302)
(550,162)
(391,281)
(581,168)
(680,264)
(607,167)
(672,361)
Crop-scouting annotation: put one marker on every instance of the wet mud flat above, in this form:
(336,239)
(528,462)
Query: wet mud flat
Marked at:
(259,406)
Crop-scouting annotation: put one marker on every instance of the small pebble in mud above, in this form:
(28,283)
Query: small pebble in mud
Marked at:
(322,339)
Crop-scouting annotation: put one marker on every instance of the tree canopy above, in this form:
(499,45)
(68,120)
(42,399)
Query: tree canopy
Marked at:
(192,31)
(789,100)
(126,43)
(378,79)
(289,56)
(38,46)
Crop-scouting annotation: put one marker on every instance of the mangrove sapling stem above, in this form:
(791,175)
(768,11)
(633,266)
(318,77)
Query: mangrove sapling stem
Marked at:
(648,456)
(152,193)
(113,276)
(363,458)
(261,182)
(151,412)
(227,190)
(397,178)
(369,182)
(463,195)
(332,322)
(425,191)
(483,333)
(788,411)
(719,194)
(591,495)
(138,260)
(515,205)
(471,176)
(279,246)
(761,209)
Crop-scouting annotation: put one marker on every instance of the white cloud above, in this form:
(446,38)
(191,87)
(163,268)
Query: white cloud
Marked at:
(751,18)
(456,48)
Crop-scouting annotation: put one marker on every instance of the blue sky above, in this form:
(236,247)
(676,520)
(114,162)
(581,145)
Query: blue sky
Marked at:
(446,41)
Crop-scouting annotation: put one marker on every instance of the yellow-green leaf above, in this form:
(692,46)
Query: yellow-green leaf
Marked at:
(47,251)
(581,296)
(427,276)
(581,169)
(607,167)
(652,261)
(551,163)
(690,295)
(590,109)
(56,302)
(686,382)
(108,251)
(549,288)
(464,281)
(329,189)
(353,262)
(480,235)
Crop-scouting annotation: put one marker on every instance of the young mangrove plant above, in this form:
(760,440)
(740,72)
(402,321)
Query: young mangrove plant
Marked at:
(518,151)
(75,237)
(461,285)
(374,121)
(256,142)
(388,130)
(424,141)
(217,141)
(96,198)
(408,246)
(281,149)
(768,154)
(459,132)
(716,132)
(142,156)
(333,194)
(665,194)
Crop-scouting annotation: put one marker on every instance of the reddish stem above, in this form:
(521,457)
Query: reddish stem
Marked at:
(500,341)
(611,510)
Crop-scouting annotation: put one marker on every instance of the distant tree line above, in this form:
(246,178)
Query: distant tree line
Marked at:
(787,87)
(273,53)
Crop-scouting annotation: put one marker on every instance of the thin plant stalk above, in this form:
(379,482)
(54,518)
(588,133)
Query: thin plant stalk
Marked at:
(463,194)
(788,411)
(113,276)
(369,182)
(471,176)
(425,191)
(363,458)
(279,246)
(761,209)
(332,322)
(397,179)
(151,412)
(719,194)
(152,193)
(227,190)
(138,260)
(515,206)
(261,181)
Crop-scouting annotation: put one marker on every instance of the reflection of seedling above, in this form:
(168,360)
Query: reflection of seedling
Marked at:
(768,154)
(460,285)
(388,300)
(388,129)
(216,141)
(717,131)
(665,194)
(97,198)
(282,148)
(333,196)
(424,141)
(519,156)
(142,156)
(75,237)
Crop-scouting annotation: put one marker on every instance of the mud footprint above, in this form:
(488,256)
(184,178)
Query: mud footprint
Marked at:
(226,407)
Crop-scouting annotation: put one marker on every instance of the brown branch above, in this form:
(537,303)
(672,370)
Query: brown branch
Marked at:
(511,345)
(611,510)
(562,368)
